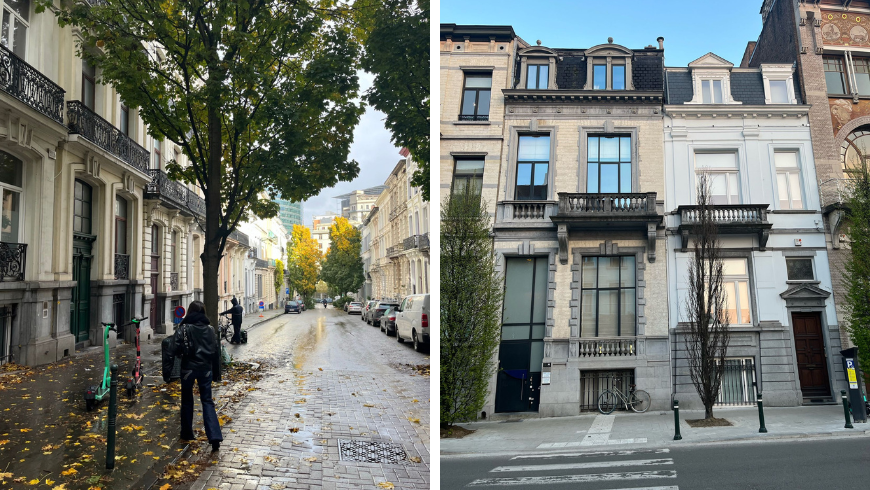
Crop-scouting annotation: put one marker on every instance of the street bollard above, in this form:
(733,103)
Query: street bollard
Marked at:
(113,413)
(846,410)
(762,428)
(677,435)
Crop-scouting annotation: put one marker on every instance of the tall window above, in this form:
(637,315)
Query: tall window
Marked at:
(778,92)
(735,283)
(711,91)
(120,225)
(862,75)
(617,79)
(89,74)
(125,120)
(82,208)
(608,167)
(16,19)
(537,76)
(799,269)
(533,166)
(607,298)
(855,149)
(173,252)
(835,77)
(468,173)
(788,180)
(599,77)
(722,171)
(11,186)
(525,305)
(475,97)
(155,154)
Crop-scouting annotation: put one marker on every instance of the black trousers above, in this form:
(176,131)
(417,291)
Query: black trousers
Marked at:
(209,416)
(237,329)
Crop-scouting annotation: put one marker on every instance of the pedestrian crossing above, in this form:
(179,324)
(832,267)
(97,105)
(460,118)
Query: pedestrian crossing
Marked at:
(644,466)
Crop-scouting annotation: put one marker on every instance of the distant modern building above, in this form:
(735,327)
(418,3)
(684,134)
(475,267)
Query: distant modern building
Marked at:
(290,213)
(355,206)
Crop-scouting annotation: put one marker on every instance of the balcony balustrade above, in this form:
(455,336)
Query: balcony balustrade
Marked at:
(261,264)
(122,266)
(12,261)
(525,214)
(173,194)
(604,347)
(83,121)
(27,84)
(173,281)
(730,219)
(240,238)
(424,242)
(394,251)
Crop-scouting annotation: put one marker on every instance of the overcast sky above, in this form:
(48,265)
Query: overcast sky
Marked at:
(373,151)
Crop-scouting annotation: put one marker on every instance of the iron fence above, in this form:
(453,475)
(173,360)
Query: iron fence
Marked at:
(173,281)
(12,260)
(29,85)
(83,121)
(738,383)
(594,383)
(122,266)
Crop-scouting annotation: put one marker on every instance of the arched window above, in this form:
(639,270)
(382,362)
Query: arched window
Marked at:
(855,149)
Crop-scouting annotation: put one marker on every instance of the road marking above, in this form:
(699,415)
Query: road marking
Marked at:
(627,452)
(550,480)
(582,466)
(597,435)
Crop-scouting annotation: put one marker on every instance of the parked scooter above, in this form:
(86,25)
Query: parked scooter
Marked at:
(135,382)
(97,392)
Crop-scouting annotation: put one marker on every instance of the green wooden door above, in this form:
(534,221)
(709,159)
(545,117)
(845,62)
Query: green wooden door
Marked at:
(80,306)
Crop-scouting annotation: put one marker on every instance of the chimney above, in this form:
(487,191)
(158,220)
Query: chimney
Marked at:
(661,41)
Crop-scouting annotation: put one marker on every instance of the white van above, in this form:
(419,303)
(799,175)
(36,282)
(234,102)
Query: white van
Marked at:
(412,321)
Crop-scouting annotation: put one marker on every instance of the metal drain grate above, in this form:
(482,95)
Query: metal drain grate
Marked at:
(371,451)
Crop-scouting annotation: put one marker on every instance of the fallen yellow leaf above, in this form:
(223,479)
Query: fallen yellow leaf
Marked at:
(71,471)
(33,482)
(386,484)
(166,487)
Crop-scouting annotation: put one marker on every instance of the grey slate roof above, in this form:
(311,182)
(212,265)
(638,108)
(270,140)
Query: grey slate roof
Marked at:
(678,89)
(745,87)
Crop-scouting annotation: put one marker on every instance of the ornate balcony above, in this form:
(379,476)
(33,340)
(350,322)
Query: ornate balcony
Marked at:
(122,266)
(261,264)
(511,214)
(173,194)
(12,261)
(472,117)
(424,242)
(28,85)
(604,347)
(730,219)
(173,281)
(240,238)
(397,211)
(100,132)
(396,250)
(626,211)
(410,243)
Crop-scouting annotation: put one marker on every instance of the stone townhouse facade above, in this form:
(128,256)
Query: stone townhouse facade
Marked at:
(747,129)
(827,42)
(565,147)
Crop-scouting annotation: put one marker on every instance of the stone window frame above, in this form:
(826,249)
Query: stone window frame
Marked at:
(612,54)
(702,74)
(513,147)
(802,165)
(467,155)
(604,249)
(783,73)
(538,55)
(607,130)
(742,168)
(528,250)
(475,70)
(753,293)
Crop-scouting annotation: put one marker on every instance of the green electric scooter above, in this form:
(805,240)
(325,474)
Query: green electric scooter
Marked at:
(97,392)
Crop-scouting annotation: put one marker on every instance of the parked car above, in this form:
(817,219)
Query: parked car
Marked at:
(367,310)
(388,322)
(354,308)
(378,311)
(292,307)
(412,321)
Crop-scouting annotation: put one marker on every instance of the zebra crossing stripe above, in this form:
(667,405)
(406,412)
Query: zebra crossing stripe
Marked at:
(593,477)
(627,452)
(583,466)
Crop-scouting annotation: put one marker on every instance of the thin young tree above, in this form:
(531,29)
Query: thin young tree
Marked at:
(706,305)
(471,302)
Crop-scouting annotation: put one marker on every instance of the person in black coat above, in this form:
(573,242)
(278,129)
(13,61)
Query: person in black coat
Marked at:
(236,318)
(196,344)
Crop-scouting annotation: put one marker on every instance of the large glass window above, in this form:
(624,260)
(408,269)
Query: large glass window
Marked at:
(608,167)
(533,165)
(835,77)
(537,76)
(788,180)
(89,74)
(862,75)
(599,77)
(721,169)
(120,225)
(468,173)
(778,92)
(82,208)
(16,19)
(617,79)
(735,283)
(11,183)
(525,304)
(711,91)
(475,97)
(607,298)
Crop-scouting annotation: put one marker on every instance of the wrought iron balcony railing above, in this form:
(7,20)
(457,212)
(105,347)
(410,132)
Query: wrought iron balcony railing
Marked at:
(27,84)
(240,238)
(12,261)
(734,219)
(196,204)
(410,243)
(173,281)
(261,263)
(122,266)
(97,130)
(424,242)
(472,117)
(173,193)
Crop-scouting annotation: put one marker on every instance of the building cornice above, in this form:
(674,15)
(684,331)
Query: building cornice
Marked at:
(582,96)
(678,111)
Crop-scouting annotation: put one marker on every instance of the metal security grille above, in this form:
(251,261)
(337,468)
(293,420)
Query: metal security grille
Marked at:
(371,451)
(738,383)
(593,383)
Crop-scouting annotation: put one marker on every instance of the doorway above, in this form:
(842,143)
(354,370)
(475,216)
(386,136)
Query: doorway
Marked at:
(83,241)
(810,353)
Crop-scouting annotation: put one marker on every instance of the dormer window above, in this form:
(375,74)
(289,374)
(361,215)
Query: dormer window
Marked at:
(778,84)
(711,80)
(599,77)
(711,91)
(608,67)
(778,92)
(537,76)
(618,77)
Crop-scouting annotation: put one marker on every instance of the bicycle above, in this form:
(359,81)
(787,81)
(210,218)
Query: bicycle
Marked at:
(637,400)
(225,328)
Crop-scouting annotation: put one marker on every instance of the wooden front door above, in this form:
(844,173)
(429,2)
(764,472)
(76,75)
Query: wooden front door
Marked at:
(810,351)
(83,240)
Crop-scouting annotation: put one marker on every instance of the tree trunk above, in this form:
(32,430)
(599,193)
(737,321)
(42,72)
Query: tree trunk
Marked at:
(211,256)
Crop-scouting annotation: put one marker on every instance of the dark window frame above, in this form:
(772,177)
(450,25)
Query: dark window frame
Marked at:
(619,162)
(534,164)
(89,84)
(124,123)
(121,224)
(537,85)
(477,91)
(839,65)
(467,178)
(812,268)
(618,295)
(862,68)
(89,202)
(155,146)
